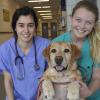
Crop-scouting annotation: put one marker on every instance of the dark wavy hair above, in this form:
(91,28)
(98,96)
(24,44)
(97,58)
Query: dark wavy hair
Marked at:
(24,11)
(89,6)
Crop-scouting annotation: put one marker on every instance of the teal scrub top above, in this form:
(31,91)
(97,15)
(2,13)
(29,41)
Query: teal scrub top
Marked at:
(85,62)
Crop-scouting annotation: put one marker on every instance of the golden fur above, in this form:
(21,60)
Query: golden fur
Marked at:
(60,79)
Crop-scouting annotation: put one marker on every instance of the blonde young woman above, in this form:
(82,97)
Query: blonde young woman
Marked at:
(84,19)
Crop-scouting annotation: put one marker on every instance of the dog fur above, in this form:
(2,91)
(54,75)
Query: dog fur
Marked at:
(59,81)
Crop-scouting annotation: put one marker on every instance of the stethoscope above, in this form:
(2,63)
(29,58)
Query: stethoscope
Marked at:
(20,63)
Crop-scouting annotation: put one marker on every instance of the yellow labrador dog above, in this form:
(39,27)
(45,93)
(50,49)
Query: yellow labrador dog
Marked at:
(59,82)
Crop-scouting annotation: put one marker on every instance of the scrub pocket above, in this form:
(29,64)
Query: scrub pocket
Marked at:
(86,73)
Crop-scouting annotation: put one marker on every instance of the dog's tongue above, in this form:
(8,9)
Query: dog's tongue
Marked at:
(59,68)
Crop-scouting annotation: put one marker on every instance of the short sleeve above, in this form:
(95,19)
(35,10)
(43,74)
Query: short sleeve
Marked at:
(97,65)
(3,60)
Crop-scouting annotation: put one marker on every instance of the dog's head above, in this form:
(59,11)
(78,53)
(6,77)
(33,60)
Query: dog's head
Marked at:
(61,55)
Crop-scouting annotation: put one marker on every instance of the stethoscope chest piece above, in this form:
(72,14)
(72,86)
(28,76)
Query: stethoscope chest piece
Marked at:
(37,67)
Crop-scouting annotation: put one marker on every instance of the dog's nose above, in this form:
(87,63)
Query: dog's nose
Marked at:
(58,60)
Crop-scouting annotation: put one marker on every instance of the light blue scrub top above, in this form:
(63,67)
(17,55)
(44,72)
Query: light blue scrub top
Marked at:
(85,61)
(25,89)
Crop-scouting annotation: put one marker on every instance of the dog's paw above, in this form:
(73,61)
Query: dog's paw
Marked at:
(73,91)
(48,91)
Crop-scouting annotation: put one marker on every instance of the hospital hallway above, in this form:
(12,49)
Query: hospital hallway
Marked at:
(54,18)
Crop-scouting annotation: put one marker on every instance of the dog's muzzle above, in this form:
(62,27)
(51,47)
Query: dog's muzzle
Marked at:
(59,67)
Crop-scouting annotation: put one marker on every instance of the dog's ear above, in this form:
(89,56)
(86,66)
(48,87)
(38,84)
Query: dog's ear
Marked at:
(75,51)
(46,53)
(75,55)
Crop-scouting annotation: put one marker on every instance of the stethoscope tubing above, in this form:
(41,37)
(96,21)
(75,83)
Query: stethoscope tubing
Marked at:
(36,66)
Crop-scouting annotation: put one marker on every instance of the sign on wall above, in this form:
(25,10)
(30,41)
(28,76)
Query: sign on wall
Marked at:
(6,15)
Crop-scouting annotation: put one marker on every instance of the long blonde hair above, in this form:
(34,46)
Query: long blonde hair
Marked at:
(95,43)
(95,34)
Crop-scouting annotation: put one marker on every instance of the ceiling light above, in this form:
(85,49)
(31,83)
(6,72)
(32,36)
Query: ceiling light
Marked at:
(38,0)
(47,18)
(42,7)
(46,7)
(36,7)
(46,14)
(44,11)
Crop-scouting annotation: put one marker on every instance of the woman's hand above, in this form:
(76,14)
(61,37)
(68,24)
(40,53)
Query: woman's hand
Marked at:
(84,90)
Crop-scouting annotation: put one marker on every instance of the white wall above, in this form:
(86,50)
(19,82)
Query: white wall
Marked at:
(98,4)
(5,26)
(9,5)
(69,6)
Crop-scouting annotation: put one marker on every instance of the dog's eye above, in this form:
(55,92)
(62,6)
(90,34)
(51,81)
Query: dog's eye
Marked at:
(53,50)
(66,50)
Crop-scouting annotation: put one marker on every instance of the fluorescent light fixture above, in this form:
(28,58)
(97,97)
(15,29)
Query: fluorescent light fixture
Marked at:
(46,7)
(36,7)
(44,11)
(42,7)
(46,14)
(38,0)
(47,18)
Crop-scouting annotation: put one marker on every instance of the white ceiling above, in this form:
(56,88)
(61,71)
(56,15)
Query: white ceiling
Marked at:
(54,7)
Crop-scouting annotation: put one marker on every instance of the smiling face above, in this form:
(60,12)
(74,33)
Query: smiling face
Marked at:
(25,28)
(83,22)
